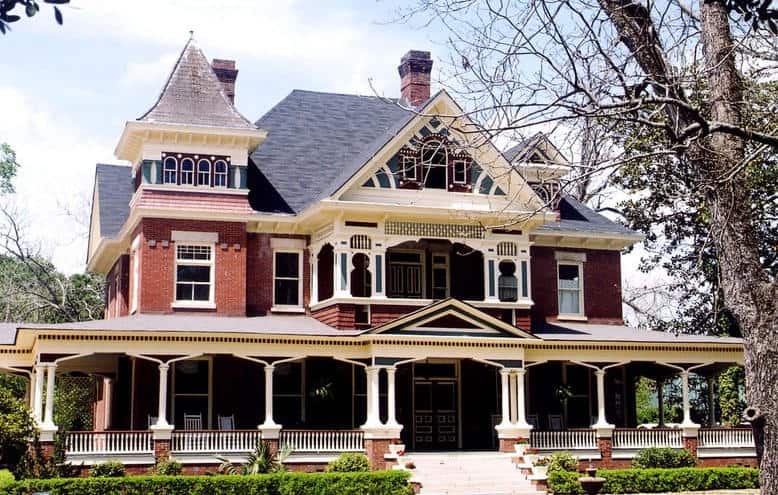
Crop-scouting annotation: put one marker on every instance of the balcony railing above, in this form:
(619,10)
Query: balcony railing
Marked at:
(323,440)
(718,438)
(624,438)
(214,441)
(583,439)
(109,442)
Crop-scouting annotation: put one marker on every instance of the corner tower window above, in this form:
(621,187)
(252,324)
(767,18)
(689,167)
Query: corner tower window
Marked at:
(220,174)
(194,273)
(187,171)
(203,173)
(170,171)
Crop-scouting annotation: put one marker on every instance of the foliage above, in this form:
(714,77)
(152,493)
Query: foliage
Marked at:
(349,462)
(16,427)
(6,478)
(732,395)
(663,457)
(264,459)
(562,461)
(35,465)
(31,7)
(167,467)
(372,483)
(646,408)
(540,461)
(660,480)
(108,469)
(8,165)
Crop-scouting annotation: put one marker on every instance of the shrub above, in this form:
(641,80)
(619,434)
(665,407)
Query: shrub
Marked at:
(562,461)
(349,463)
(373,483)
(656,457)
(6,478)
(108,469)
(167,467)
(660,480)
(264,459)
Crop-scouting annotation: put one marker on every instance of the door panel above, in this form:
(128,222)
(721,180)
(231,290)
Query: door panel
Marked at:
(436,416)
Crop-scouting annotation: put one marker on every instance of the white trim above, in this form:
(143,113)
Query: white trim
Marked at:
(570,256)
(191,236)
(135,275)
(285,243)
(464,171)
(185,303)
(299,305)
(208,172)
(581,308)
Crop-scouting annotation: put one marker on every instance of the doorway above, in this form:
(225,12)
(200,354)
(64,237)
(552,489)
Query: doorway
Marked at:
(436,405)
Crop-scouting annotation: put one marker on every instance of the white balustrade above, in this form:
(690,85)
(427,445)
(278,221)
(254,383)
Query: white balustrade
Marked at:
(645,438)
(564,440)
(726,438)
(215,441)
(323,440)
(109,442)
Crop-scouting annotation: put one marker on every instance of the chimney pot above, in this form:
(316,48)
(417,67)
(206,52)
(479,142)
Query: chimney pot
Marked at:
(226,73)
(415,67)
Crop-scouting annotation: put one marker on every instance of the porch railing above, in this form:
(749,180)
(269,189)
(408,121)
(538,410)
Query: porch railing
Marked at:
(564,440)
(214,441)
(644,438)
(726,438)
(109,442)
(322,440)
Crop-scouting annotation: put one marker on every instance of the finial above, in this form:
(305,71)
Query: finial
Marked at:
(191,34)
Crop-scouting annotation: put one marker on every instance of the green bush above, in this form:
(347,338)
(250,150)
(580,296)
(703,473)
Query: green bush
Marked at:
(663,457)
(562,461)
(349,462)
(6,478)
(167,467)
(108,469)
(660,480)
(372,483)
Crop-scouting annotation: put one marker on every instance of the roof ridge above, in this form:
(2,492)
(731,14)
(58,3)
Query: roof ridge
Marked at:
(335,93)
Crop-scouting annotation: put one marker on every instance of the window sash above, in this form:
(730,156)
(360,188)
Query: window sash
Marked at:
(170,171)
(570,290)
(188,288)
(460,172)
(203,173)
(220,177)
(287,287)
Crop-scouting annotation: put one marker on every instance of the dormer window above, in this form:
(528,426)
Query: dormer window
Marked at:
(187,172)
(434,160)
(220,173)
(409,169)
(203,173)
(434,163)
(170,171)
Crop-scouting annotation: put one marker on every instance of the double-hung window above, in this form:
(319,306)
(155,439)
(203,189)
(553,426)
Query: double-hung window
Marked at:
(194,273)
(287,279)
(570,283)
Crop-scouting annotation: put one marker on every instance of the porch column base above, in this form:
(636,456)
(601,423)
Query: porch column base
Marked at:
(605,445)
(690,444)
(162,431)
(46,432)
(690,430)
(603,430)
(270,431)
(382,432)
(510,434)
(375,450)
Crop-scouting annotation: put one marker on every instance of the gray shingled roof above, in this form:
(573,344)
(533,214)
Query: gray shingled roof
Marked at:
(114,191)
(619,333)
(577,217)
(317,141)
(521,147)
(193,95)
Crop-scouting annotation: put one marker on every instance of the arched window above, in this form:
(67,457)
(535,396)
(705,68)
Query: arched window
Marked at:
(187,171)
(434,160)
(170,171)
(220,174)
(507,283)
(203,173)
(361,279)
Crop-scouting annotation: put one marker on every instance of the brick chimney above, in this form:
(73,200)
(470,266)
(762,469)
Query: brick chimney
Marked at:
(227,73)
(414,69)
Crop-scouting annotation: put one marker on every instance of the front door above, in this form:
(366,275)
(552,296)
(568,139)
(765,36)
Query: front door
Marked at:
(436,406)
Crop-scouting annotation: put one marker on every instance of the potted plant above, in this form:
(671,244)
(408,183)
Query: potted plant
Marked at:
(410,465)
(540,466)
(530,454)
(521,446)
(397,448)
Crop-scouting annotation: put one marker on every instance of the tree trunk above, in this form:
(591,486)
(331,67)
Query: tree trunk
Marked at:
(748,291)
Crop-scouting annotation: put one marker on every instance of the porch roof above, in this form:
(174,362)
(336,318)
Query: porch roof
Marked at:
(574,331)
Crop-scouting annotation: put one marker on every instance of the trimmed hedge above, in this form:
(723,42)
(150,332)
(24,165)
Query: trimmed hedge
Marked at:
(660,480)
(374,483)
(663,457)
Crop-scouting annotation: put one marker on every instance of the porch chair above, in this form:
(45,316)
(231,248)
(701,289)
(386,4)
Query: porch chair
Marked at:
(555,422)
(533,420)
(152,420)
(193,421)
(226,422)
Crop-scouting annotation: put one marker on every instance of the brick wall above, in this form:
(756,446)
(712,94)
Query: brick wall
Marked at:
(601,279)
(259,273)
(157,265)
(117,288)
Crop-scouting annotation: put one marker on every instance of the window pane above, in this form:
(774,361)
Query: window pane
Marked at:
(193,273)
(287,265)
(202,253)
(184,292)
(568,277)
(568,302)
(287,293)
(202,292)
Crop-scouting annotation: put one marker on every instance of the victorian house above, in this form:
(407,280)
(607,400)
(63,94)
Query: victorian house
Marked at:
(348,272)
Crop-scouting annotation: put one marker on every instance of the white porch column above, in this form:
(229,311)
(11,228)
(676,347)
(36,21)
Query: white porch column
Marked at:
(314,277)
(37,393)
(514,417)
(107,396)
(521,412)
(48,419)
(270,429)
(373,412)
(690,428)
(505,400)
(604,429)
(162,429)
(391,404)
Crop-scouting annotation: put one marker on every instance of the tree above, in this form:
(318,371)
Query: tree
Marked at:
(31,7)
(16,427)
(8,168)
(519,64)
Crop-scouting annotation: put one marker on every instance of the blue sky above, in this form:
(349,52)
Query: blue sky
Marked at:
(66,92)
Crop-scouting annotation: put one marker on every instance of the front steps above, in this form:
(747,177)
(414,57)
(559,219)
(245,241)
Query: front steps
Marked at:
(469,473)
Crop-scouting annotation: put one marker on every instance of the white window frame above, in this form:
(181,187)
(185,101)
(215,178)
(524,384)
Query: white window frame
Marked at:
(463,163)
(225,175)
(166,170)
(181,172)
(300,275)
(582,311)
(212,285)
(405,160)
(198,172)
(135,276)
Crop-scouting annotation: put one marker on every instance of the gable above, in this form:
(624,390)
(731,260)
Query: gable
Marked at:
(451,318)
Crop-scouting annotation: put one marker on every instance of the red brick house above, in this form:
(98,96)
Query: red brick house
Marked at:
(345,272)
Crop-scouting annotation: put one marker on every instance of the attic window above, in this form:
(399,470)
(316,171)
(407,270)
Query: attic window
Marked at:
(203,173)
(220,174)
(195,170)
(170,175)
(434,159)
(187,171)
